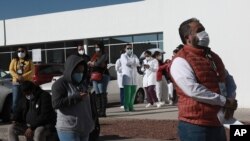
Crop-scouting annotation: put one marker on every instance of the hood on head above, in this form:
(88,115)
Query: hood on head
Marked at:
(70,64)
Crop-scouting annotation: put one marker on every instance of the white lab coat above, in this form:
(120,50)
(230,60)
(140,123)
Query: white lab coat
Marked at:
(149,77)
(129,69)
(118,68)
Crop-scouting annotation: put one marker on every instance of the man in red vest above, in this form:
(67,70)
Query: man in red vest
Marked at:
(201,81)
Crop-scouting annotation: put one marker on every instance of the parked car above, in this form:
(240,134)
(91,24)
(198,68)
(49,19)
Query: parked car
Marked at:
(5,79)
(5,103)
(43,73)
(113,89)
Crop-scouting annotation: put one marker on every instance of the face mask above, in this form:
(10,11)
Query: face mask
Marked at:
(203,39)
(81,52)
(29,97)
(129,51)
(147,58)
(77,77)
(21,55)
(159,57)
(97,49)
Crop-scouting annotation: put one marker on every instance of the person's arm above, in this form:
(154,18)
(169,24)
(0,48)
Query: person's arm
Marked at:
(137,62)
(60,98)
(230,86)
(118,66)
(154,66)
(101,60)
(12,69)
(184,77)
(162,67)
(30,71)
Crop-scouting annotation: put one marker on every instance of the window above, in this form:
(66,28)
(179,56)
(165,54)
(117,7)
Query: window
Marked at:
(121,40)
(145,38)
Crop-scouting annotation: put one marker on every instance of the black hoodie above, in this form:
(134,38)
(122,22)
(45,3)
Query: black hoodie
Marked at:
(73,111)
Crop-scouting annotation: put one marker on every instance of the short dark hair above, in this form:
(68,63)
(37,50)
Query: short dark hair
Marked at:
(27,86)
(184,29)
(156,53)
(148,52)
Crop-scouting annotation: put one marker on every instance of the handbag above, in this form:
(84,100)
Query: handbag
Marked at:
(96,76)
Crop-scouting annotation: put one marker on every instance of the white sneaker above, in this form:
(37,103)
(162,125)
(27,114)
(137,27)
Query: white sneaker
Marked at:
(171,102)
(158,104)
(162,103)
(148,105)
(121,107)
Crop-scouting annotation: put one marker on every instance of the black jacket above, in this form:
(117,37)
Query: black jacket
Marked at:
(39,108)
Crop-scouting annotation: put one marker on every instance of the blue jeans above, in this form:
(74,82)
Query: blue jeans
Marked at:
(71,136)
(16,96)
(101,86)
(192,132)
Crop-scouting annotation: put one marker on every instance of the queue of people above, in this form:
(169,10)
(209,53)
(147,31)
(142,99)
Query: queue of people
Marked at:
(195,73)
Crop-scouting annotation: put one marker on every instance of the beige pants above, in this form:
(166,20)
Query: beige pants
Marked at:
(15,130)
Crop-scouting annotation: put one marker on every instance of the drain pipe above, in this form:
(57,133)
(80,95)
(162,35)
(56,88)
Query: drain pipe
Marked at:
(4,30)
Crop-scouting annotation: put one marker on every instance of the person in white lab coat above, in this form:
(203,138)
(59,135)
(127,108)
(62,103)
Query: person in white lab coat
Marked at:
(118,68)
(150,67)
(129,63)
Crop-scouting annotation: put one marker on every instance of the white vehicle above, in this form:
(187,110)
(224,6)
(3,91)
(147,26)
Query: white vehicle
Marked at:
(113,89)
(5,103)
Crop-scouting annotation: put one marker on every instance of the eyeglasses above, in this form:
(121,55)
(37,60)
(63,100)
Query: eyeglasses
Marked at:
(129,48)
(80,49)
(21,51)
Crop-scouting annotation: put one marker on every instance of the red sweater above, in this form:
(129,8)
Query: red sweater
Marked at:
(191,110)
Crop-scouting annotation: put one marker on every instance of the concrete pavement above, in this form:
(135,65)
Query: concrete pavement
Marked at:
(164,113)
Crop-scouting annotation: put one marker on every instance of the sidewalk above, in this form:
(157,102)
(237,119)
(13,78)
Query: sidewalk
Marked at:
(164,113)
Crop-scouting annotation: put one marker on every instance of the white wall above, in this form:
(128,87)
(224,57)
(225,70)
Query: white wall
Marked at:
(130,18)
(226,21)
(1,33)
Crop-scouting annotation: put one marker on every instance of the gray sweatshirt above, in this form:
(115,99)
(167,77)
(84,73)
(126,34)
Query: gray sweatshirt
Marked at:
(73,112)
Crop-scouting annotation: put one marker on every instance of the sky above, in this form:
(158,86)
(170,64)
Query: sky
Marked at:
(21,8)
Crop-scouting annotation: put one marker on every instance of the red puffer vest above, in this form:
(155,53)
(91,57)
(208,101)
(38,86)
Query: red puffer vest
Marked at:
(191,110)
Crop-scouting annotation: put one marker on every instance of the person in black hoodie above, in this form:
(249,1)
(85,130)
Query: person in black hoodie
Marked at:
(71,100)
(35,118)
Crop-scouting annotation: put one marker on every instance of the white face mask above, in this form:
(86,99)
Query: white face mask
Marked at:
(97,49)
(147,58)
(21,54)
(203,39)
(81,52)
(159,57)
(129,51)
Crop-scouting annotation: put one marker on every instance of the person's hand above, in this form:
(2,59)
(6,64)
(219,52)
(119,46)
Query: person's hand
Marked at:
(29,133)
(83,94)
(14,122)
(89,62)
(228,113)
(20,78)
(146,66)
(231,104)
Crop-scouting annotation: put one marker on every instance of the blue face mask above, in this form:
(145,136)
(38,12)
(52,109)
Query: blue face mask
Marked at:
(77,77)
